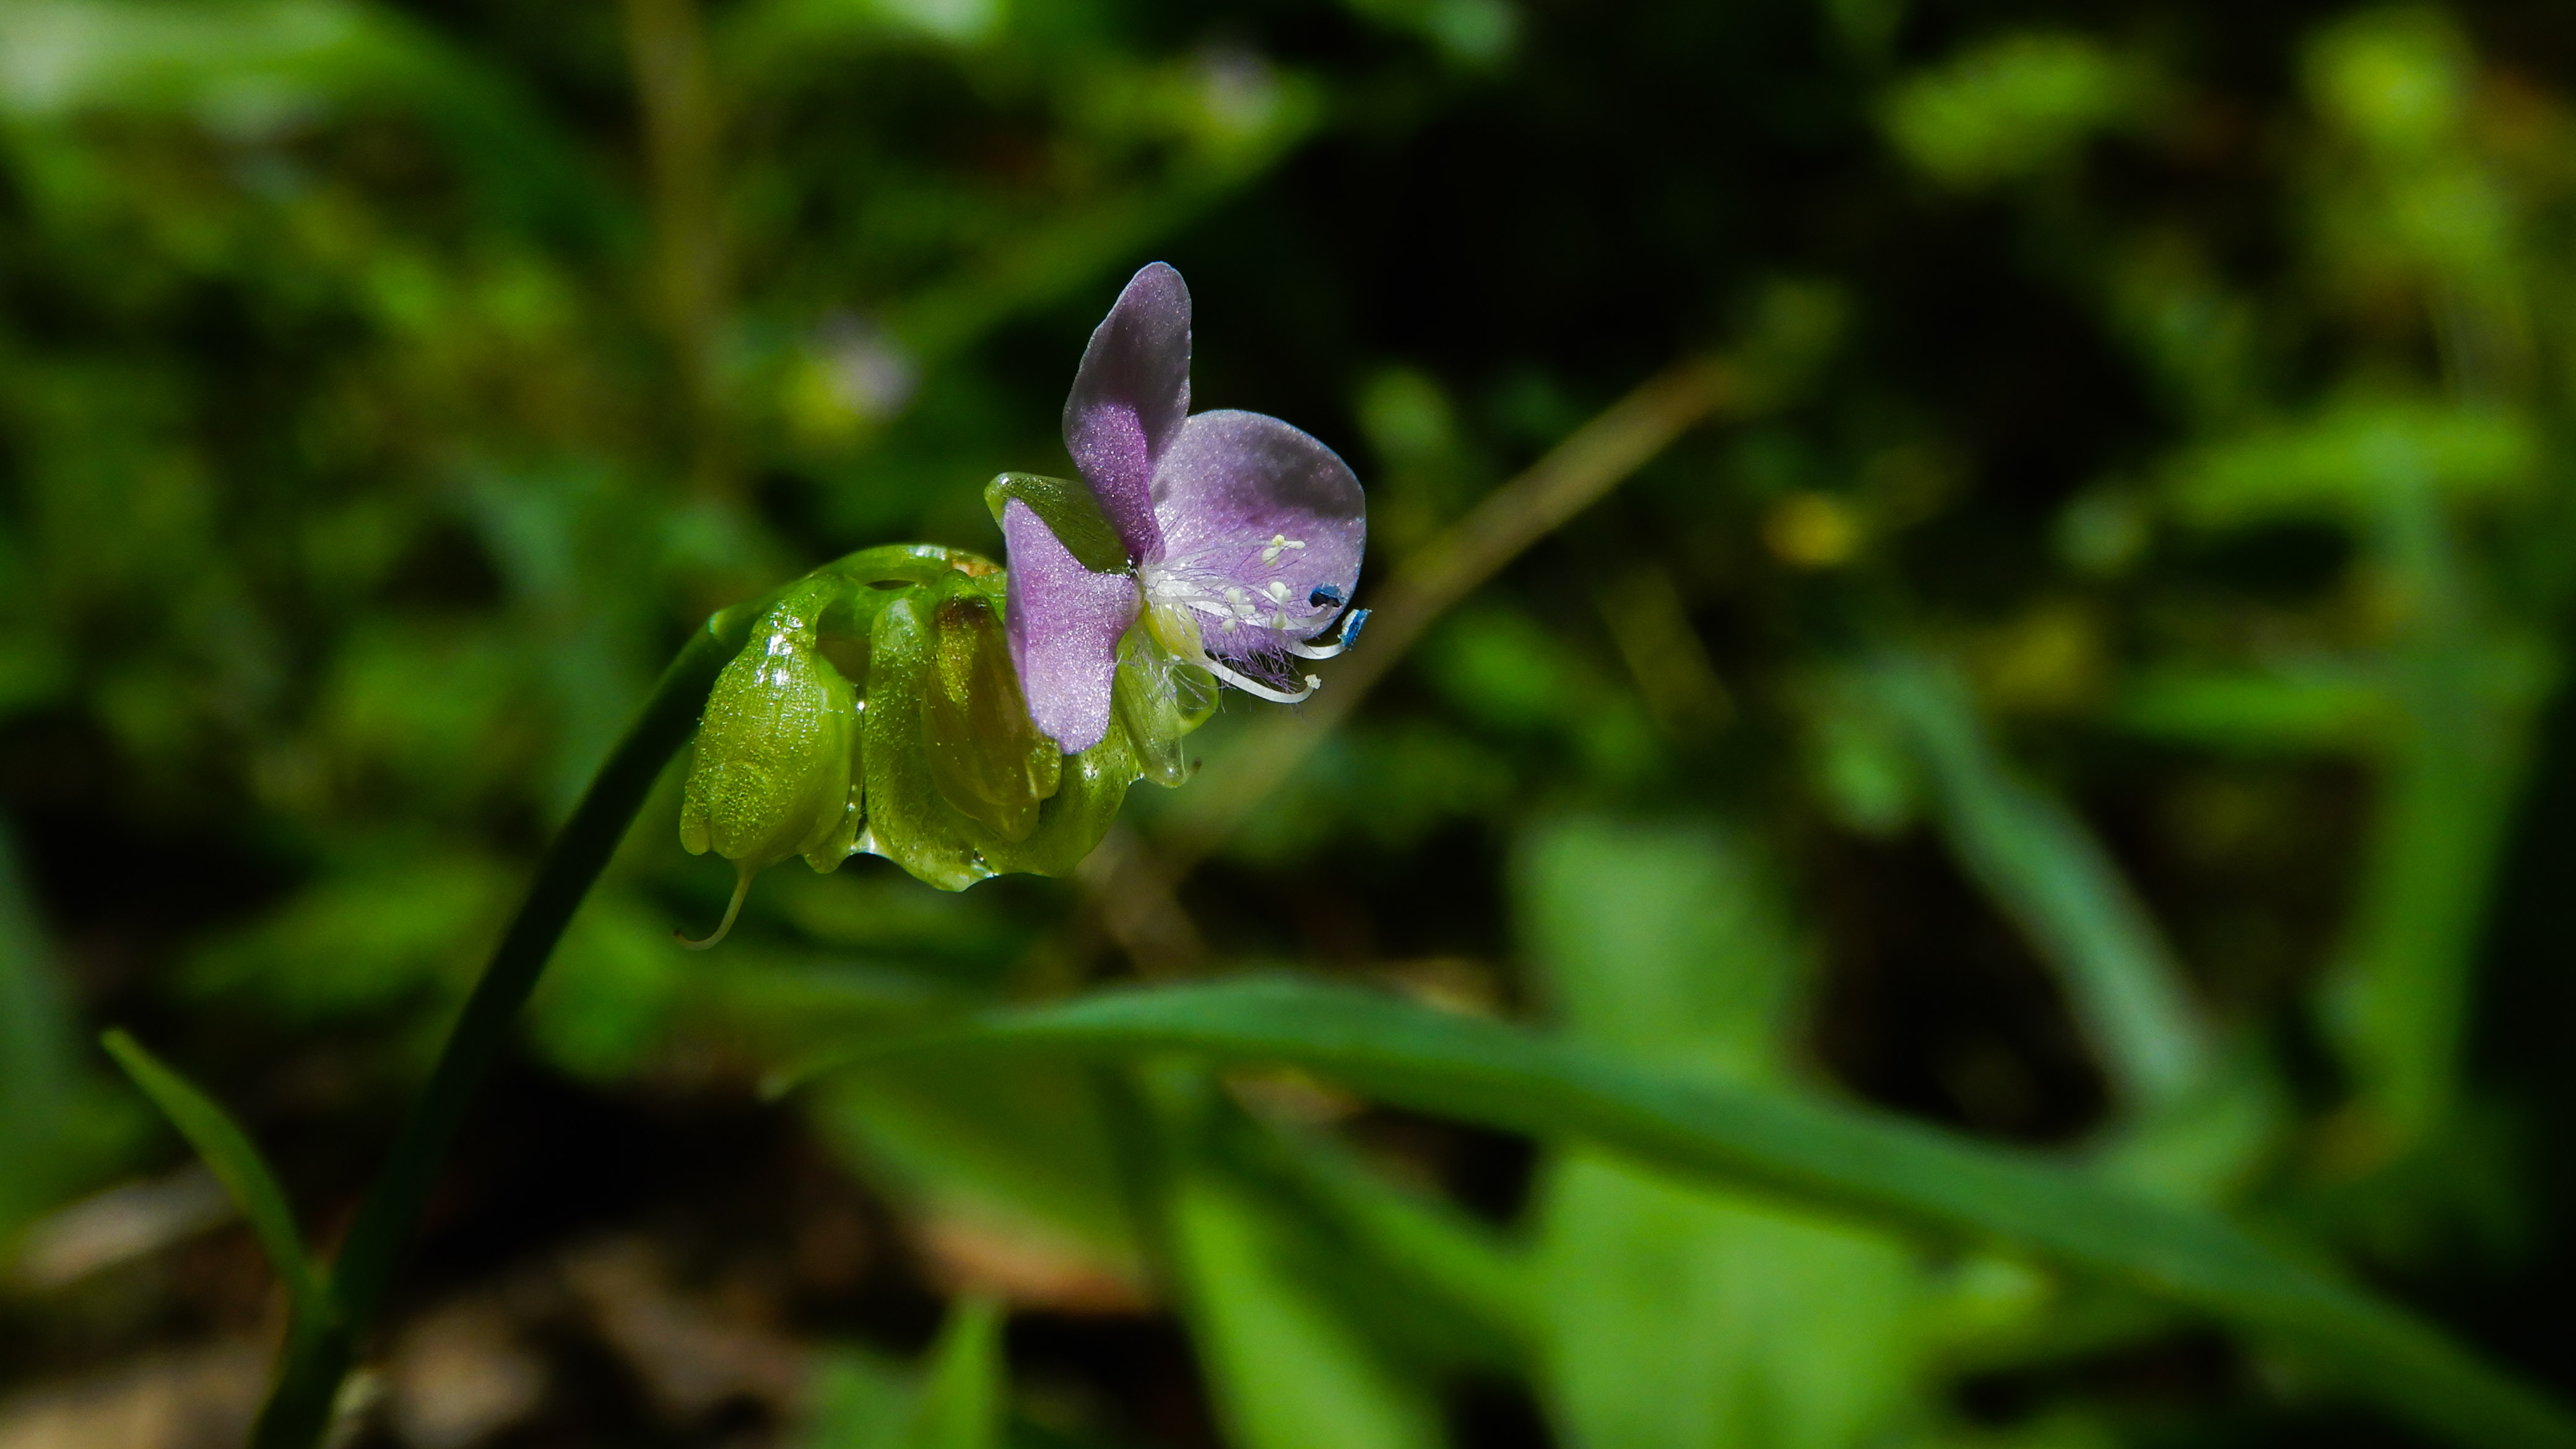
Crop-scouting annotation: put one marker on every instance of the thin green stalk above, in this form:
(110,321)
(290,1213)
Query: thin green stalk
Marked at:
(318,1356)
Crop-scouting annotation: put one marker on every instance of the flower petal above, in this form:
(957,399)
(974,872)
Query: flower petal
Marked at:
(1064,623)
(1268,521)
(1129,398)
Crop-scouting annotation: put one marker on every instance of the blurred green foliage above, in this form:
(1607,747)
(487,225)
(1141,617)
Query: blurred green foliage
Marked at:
(2110,705)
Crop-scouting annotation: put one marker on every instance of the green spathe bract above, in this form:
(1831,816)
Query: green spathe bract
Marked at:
(773,776)
(876,709)
(985,753)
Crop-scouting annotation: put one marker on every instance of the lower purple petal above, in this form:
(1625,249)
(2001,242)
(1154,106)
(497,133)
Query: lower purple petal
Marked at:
(1064,622)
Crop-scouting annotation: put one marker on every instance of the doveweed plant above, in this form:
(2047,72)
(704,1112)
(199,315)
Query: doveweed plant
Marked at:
(957,717)
(964,720)
(2238,501)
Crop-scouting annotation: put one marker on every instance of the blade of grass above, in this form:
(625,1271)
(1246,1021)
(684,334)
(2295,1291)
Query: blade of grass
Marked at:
(1436,1250)
(2044,868)
(1806,1152)
(2398,1002)
(236,1163)
(964,1400)
(299,1406)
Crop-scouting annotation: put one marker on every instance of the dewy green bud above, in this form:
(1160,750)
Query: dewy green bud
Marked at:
(772,777)
(985,753)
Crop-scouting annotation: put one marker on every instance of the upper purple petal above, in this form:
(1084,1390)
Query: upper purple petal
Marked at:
(1064,623)
(1248,502)
(1129,399)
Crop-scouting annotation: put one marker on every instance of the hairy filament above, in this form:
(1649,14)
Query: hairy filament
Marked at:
(1217,667)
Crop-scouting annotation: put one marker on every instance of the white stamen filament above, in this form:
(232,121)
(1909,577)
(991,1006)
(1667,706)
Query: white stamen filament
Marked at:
(1217,667)
(1185,595)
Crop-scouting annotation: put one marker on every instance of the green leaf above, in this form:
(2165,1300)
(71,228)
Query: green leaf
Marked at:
(228,1150)
(1682,1316)
(1069,511)
(1677,1314)
(964,1402)
(2345,462)
(1806,1152)
(2012,107)
(1423,1263)
(2314,708)
(1289,1370)
(254,62)
(379,929)
(1626,918)
(1017,1148)
(855,1399)
(2036,858)
(612,991)
(2467,687)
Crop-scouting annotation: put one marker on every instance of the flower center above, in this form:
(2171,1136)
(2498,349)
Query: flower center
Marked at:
(1191,606)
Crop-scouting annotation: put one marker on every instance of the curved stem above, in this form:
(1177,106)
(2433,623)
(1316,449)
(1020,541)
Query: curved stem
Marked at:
(733,908)
(318,1356)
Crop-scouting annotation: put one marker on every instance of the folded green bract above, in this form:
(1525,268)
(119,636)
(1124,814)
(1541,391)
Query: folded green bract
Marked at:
(876,709)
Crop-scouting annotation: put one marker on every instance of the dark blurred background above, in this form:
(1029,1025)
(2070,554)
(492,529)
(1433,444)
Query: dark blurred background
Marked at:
(2093,681)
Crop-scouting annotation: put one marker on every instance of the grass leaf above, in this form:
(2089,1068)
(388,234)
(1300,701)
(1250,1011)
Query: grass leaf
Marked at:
(228,1150)
(964,1399)
(1806,1152)
(2044,867)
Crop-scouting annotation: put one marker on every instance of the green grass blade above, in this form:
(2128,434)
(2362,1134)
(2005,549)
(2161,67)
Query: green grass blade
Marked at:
(2044,868)
(228,1150)
(964,1401)
(1808,1152)
(2398,1002)
(1437,1255)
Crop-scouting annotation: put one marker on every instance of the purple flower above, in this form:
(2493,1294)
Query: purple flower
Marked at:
(1240,535)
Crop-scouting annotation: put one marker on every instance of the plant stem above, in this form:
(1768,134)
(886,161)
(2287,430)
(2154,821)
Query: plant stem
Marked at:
(683,132)
(318,1356)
